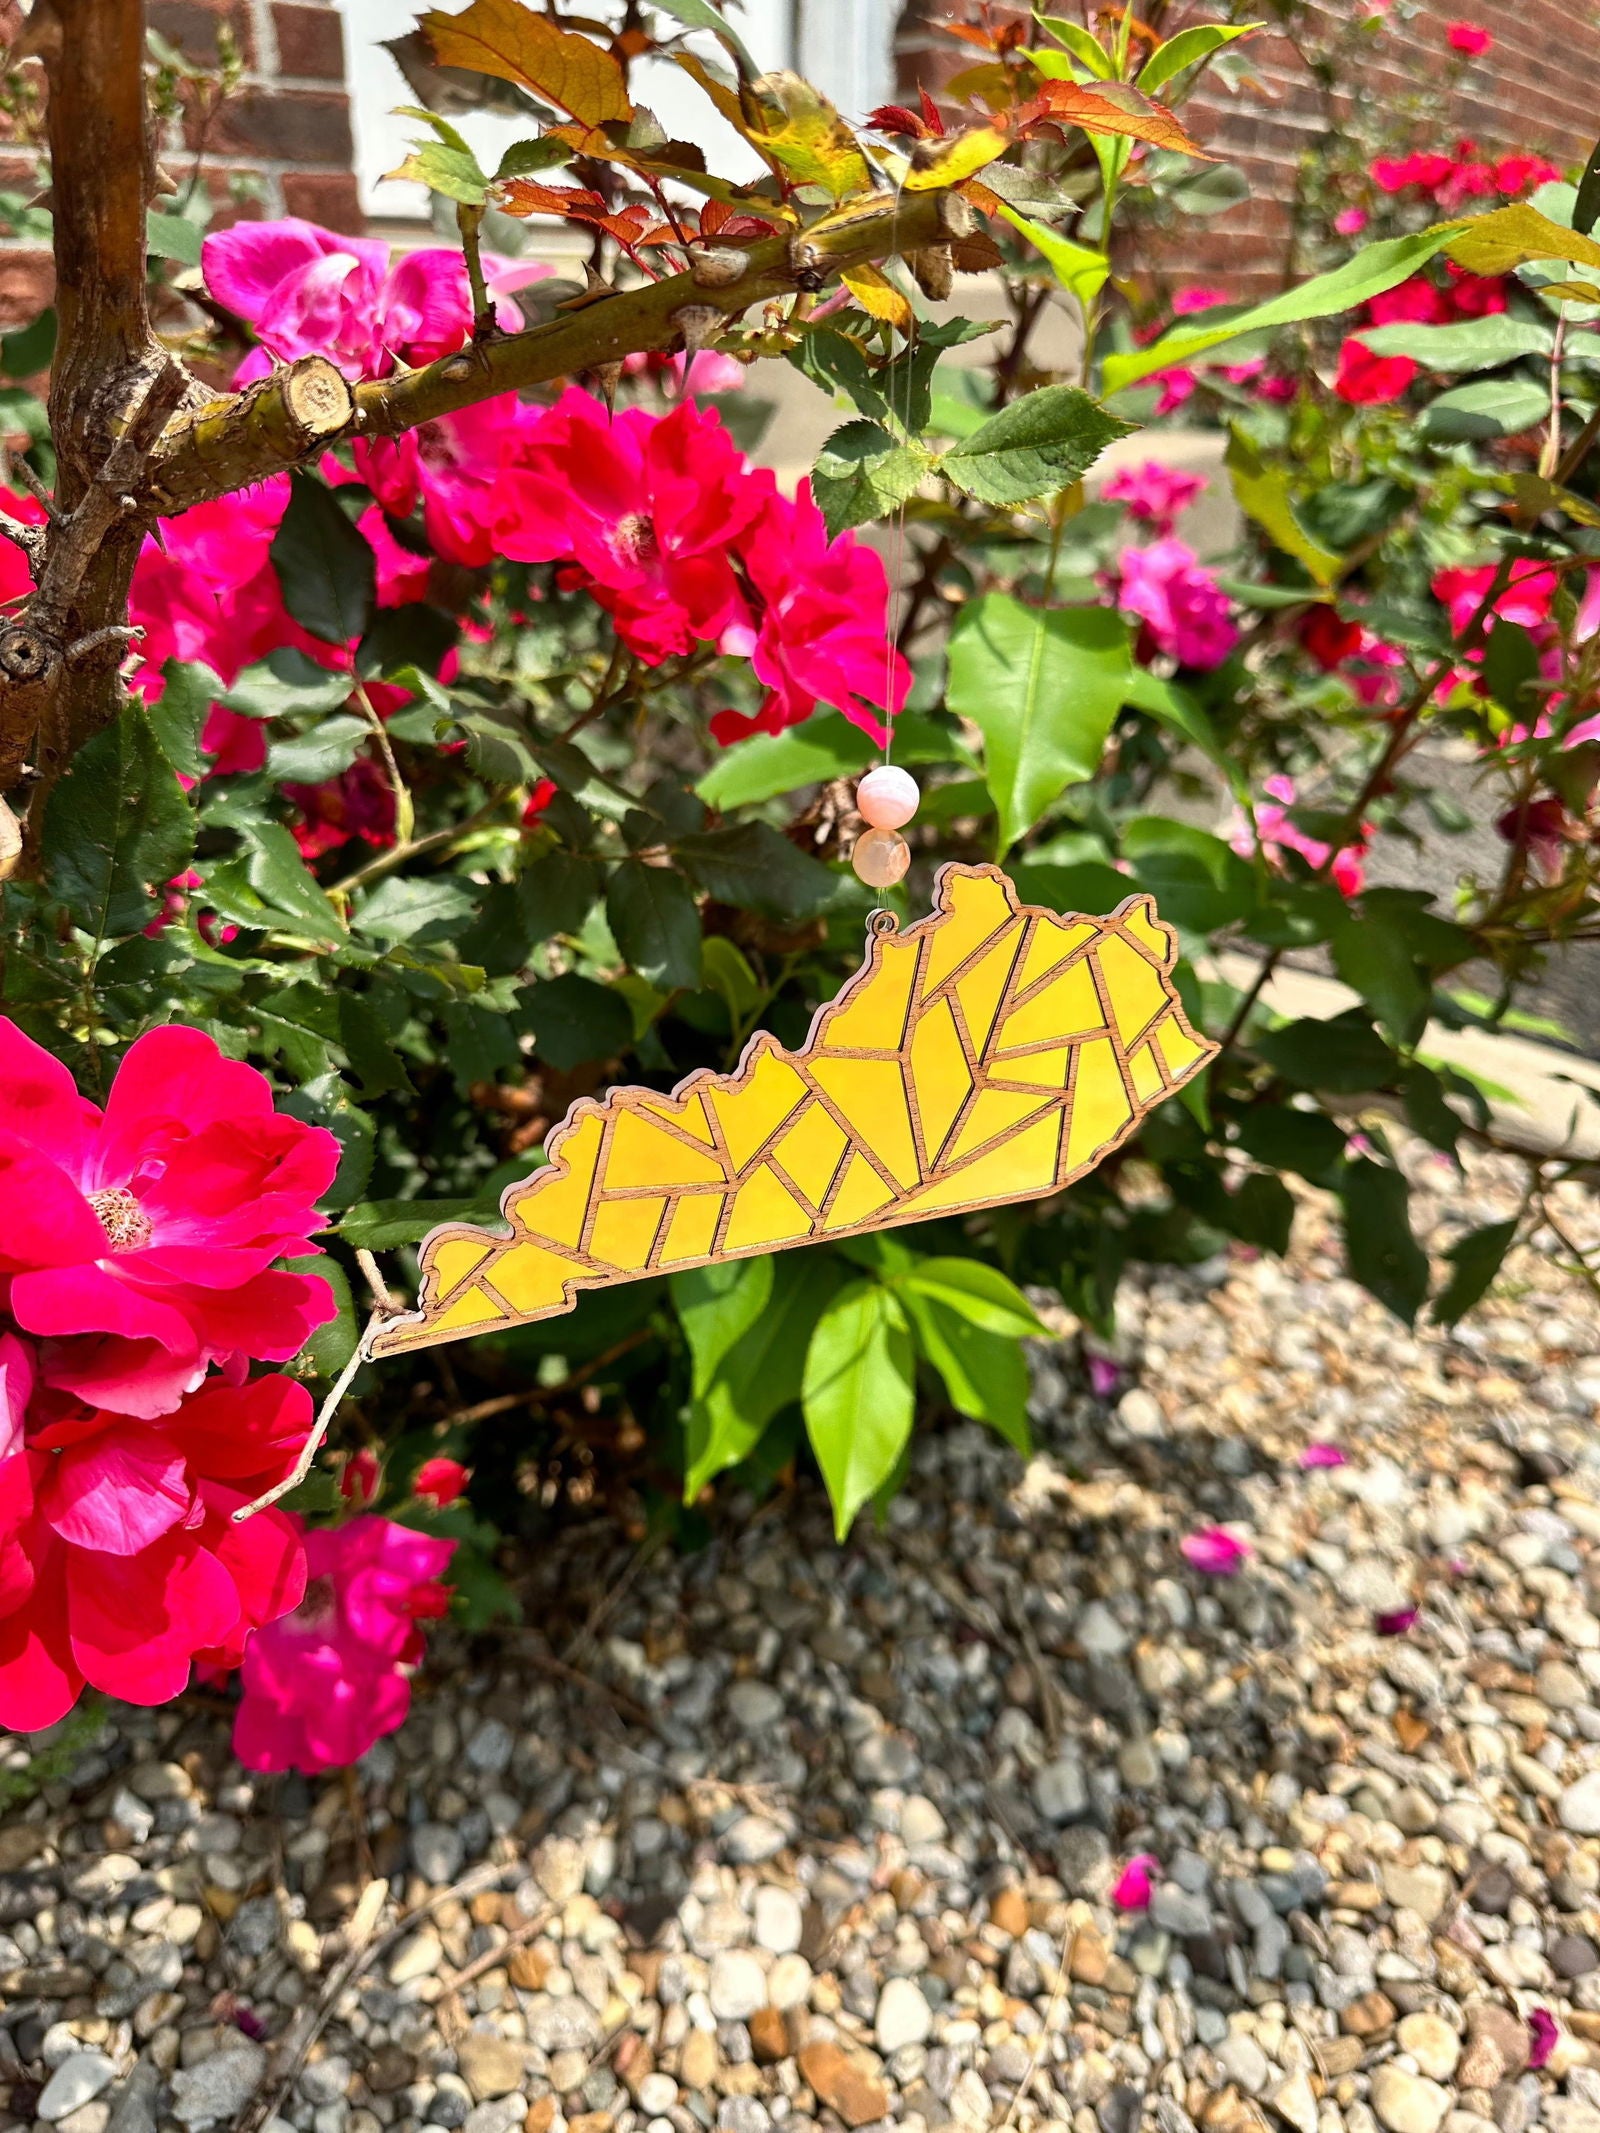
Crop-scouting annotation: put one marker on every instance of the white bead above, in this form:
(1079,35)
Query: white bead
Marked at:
(887,797)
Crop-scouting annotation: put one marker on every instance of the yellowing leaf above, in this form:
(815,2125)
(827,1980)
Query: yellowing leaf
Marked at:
(1263,493)
(1112,107)
(1511,236)
(877,294)
(1535,495)
(806,138)
(957,159)
(1574,292)
(725,98)
(508,40)
(992,84)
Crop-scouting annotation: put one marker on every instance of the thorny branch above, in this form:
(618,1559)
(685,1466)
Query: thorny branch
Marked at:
(138,437)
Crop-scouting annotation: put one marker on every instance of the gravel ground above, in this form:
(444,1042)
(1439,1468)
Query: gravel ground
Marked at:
(782,1836)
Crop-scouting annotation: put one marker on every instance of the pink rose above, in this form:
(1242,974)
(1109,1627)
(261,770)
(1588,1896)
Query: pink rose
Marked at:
(320,1685)
(1154,493)
(1470,38)
(139,1240)
(120,1564)
(1183,607)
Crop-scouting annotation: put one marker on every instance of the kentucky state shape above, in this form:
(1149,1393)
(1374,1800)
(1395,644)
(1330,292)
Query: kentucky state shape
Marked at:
(990,1052)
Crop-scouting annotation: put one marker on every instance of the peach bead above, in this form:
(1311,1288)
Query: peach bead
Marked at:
(881,857)
(887,797)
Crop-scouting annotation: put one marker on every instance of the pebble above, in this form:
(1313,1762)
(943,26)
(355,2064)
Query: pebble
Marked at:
(76,2081)
(738,1985)
(887,1785)
(1408,2103)
(903,2016)
(219,2086)
(490,2066)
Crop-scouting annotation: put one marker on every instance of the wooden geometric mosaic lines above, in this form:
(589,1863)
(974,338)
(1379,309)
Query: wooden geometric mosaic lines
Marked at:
(990,1052)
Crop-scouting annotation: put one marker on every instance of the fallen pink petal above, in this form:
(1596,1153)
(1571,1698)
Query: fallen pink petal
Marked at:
(1395,1621)
(1316,1455)
(1543,2036)
(1215,1551)
(1136,1883)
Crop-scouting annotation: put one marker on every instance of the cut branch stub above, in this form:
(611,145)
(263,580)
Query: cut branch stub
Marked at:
(224,444)
(229,443)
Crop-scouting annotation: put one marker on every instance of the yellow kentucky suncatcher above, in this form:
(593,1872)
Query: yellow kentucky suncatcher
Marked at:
(990,1052)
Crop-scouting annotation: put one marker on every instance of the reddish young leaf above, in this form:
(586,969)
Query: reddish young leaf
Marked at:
(1111,107)
(526,196)
(895,118)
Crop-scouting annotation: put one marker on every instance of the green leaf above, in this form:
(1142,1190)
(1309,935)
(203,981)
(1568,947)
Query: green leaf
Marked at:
(1344,1054)
(980,1294)
(701,15)
(1260,1212)
(1373,270)
(574,1020)
(1080,43)
(525,159)
(116,828)
(327,571)
(1307,1142)
(1510,662)
(1586,207)
(178,715)
(443,168)
(414,907)
(325,1101)
(479,1044)
(858,1394)
(748,1323)
(1475,1259)
(1187,49)
(287,684)
(556,894)
(309,758)
(1380,1251)
(31,348)
(985,1374)
(837,364)
(752,865)
(656,922)
(364,1038)
(1077,267)
(1470,344)
(1177,708)
(1263,490)
(1492,407)
(382,1225)
(173,237)
(821,749)
(863,473)
(270,886)
(1378,963)
(1038,444)
(333,1344)
(1043,686)
(1198,880)
(1427,1112)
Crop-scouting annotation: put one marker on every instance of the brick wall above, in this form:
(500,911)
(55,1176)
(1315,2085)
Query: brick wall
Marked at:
(284,137)
(1537,89)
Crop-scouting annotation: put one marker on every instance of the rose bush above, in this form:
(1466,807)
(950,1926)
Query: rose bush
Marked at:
(478,756)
